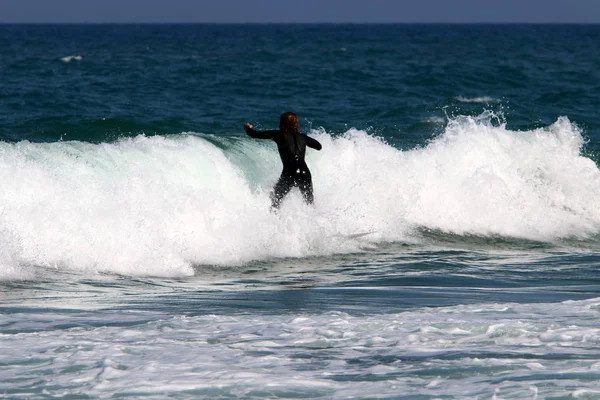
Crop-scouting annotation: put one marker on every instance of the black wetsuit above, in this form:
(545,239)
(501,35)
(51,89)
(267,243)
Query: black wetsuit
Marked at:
(292,148)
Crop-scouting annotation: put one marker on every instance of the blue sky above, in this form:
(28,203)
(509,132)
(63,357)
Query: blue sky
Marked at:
(241,11)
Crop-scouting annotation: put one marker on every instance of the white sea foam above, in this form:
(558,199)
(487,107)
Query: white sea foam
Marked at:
(332,355)
(482,99)
(156,205)
(68,59)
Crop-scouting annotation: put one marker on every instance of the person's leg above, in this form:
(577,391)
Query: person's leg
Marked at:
(281,188)
(306,189)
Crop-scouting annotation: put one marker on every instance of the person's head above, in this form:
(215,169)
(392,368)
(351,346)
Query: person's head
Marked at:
(288,123)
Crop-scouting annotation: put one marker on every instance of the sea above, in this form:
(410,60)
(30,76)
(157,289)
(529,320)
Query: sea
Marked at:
(452,251)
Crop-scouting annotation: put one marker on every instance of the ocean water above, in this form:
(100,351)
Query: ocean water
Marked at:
(452,251)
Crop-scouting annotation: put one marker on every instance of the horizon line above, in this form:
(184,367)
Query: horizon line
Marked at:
(305,23)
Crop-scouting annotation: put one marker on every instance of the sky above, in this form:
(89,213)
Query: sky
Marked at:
(299,11)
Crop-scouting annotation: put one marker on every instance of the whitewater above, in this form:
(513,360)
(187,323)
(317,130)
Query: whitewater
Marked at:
(484,351)
(159,205)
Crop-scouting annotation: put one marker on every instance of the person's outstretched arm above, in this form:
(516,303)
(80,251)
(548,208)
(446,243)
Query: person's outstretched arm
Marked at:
(258,134)
(313,143)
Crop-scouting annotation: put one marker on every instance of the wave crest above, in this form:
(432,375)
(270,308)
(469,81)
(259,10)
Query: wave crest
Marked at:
(159,205)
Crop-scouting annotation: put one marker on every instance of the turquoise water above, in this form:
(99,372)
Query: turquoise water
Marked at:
(139,257)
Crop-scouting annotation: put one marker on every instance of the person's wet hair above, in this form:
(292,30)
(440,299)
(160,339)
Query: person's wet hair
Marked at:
(288,123)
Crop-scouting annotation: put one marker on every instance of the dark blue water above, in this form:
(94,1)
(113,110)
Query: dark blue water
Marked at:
(452,250)
(158,79)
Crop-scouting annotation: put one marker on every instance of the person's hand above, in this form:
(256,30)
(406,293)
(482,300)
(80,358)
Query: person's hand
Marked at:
(248,125)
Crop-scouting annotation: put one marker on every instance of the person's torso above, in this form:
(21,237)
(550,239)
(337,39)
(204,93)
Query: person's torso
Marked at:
(292,148)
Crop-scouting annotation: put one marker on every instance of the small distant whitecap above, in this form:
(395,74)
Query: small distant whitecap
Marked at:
(436,120)
(482,99)
(68,59)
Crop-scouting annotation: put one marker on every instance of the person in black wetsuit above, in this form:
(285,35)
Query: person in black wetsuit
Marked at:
(292,147)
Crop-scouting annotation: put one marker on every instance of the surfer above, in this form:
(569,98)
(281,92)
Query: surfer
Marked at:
(292,147)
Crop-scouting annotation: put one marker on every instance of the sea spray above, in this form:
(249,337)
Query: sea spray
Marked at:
(159,205)
(479,178)
(476,178)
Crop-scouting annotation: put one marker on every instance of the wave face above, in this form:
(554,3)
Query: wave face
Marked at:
(159,205)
